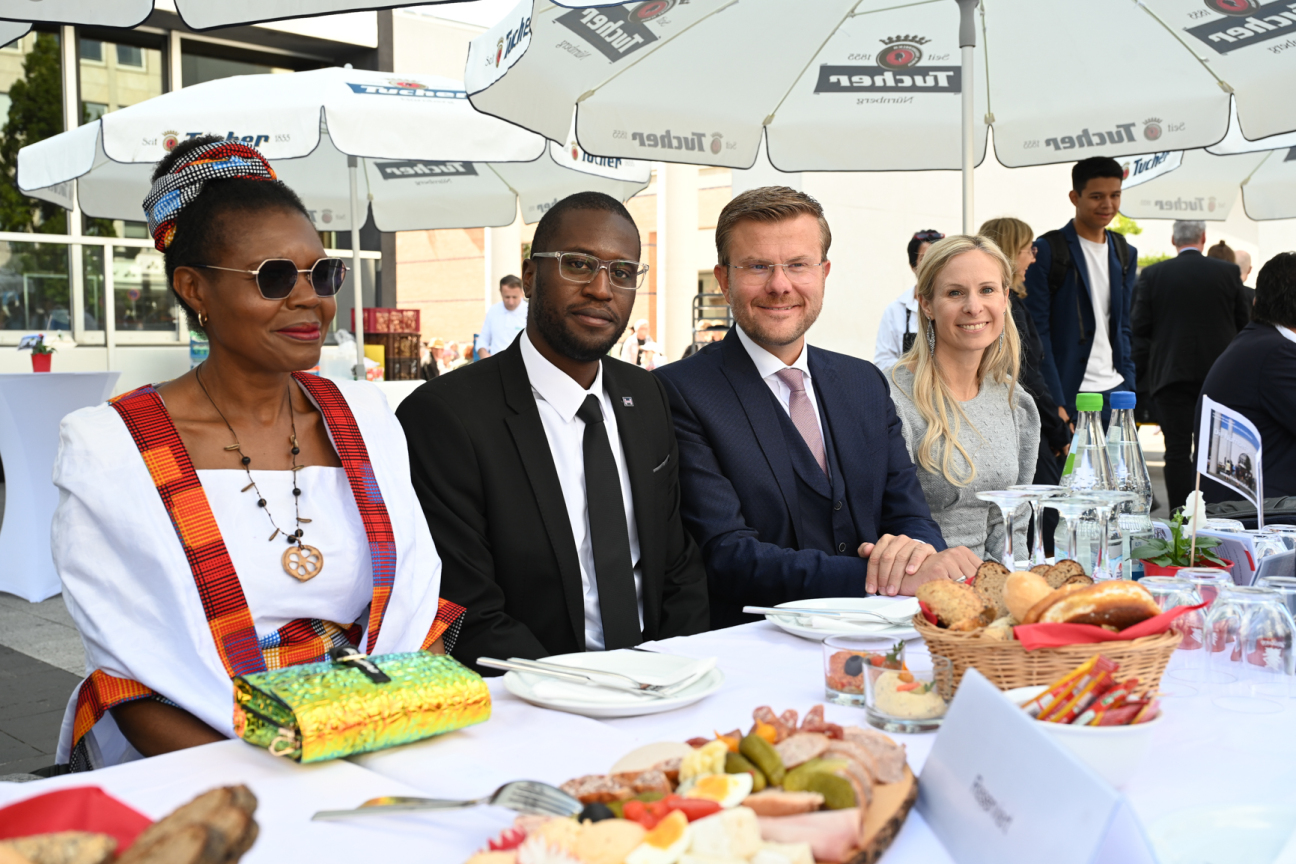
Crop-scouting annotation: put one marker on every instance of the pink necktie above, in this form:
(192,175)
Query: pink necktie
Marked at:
(803,414)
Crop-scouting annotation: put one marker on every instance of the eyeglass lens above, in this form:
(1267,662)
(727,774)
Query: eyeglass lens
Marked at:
(582,268)
(277,277)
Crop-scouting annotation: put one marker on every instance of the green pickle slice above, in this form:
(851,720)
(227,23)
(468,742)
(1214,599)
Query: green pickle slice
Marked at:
(820,775)
(762,754)
(736,763)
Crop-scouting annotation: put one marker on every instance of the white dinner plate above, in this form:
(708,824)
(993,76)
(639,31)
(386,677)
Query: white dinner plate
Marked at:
(854,628)
(611,703)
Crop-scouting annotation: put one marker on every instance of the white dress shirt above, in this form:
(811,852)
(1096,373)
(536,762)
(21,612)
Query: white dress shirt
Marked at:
(1286,332)
(558,398)
(768,366)
(898,318)
(501,327)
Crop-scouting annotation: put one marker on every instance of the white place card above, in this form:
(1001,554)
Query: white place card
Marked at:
(998,788)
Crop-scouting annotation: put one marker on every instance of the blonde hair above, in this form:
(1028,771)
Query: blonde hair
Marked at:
(768,204)
(931,395)
(1011,236)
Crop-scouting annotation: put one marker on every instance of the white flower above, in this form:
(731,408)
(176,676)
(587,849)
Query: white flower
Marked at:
(1194,512)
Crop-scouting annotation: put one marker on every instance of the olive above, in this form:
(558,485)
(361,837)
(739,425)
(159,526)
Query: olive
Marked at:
(854,665)
(596,812)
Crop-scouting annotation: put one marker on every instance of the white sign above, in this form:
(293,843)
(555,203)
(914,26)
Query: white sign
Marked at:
(998,788)
(1231,456)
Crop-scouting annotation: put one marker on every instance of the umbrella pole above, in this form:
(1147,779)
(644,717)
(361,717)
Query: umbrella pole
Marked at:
(357,269)
(967,41)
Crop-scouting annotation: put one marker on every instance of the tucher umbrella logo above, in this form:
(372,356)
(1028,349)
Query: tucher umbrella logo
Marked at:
(170,139)
(326,216)
(412,170)
(901,52)
(716,142)
(575,151)
(615,31)
(1246,22)
(653,9)
(1233,7)
(403,87)
(499,52)
(1152,128)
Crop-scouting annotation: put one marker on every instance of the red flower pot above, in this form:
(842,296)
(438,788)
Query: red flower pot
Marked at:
(1150,569)
(41,362)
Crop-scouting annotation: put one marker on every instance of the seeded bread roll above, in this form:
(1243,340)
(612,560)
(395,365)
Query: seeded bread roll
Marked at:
(1022,590)
(989,583)
(1032,617)
(955,605)
(1063,570)
(1079,579)
(1109,604)
(1041,569)
(61,847)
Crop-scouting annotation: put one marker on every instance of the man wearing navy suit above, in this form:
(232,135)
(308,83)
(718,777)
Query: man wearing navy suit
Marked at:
(1079,289)
(794,477)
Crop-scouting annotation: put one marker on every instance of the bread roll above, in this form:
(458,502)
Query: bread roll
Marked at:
(989,583)
(1063,570)
(1033,616)
(1107,604)
(1041,569)
(1079,579)
(955,605)
(1022,590)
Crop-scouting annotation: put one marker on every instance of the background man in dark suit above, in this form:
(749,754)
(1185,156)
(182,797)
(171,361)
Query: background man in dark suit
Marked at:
(1256,375)
(1078,291)
(796,479)
(549,472)
(1187,310)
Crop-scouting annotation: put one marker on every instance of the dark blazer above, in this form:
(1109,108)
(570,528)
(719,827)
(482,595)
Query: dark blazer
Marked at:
(1187,309)
(485,476)
(1054,434)
(1066,320)
(742,490)
(1256,375)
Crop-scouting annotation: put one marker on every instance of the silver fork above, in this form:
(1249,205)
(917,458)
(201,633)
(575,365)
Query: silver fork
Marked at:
(594,677)
(522,796)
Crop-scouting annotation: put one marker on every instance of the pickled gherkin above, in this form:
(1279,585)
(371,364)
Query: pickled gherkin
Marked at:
(820,775)
(762,754)
(736,763)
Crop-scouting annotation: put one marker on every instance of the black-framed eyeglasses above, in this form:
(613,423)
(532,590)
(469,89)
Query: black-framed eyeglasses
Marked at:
(928,236)
(277,277)
(582,268)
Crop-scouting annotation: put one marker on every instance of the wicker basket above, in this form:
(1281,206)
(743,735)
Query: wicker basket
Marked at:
(1007,664)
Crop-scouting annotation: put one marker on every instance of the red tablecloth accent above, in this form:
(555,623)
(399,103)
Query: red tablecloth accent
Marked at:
(1033,636)
(82,808)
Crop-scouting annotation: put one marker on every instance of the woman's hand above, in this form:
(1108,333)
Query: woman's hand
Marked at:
(154,728)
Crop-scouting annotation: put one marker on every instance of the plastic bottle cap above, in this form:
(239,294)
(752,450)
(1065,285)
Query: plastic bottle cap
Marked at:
(1089,402)
(1122,399)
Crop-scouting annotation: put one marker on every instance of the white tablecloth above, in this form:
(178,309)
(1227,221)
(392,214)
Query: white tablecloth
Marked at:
(1201,755)
(31,407)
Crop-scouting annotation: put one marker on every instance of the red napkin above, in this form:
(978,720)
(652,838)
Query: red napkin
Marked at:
(1034,636)
(82,808)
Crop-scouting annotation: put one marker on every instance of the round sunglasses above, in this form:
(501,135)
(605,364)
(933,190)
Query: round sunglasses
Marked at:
(277,277)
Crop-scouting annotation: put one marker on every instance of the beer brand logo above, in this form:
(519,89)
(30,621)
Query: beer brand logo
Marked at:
(717,143)
(1246,22)
(499,52)
(575,151)
(1124,132)
(901,52)
(326,216)
(511,40)
(407,85)
(615,31)
(401,87)
(421,170)
(653,9)
(880,79)
(170,139)
(1210,204)
(1233,7)
(1152,128)
(666,140)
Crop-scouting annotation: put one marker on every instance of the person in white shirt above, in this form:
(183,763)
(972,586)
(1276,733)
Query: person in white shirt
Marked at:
(639,349)
(899,325)
(504,320)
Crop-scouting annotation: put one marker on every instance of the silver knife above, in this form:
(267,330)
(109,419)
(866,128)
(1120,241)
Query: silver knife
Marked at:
(562,673)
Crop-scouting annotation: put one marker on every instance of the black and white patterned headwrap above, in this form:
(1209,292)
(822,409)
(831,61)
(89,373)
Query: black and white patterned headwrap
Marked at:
(171,193)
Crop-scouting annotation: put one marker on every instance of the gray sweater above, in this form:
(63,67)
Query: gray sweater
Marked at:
(1004,445)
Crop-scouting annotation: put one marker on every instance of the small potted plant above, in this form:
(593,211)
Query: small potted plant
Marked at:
(40,352)
(1168,557)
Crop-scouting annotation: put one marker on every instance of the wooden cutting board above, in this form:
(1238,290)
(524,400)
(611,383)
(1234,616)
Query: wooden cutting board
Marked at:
(891,805)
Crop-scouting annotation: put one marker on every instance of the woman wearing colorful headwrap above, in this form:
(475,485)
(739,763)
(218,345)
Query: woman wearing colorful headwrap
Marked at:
(245,515)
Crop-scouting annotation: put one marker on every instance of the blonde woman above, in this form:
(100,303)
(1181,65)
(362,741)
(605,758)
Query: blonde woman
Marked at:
(968,425)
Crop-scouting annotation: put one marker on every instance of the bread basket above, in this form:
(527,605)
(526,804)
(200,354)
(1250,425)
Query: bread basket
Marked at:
(1007,664)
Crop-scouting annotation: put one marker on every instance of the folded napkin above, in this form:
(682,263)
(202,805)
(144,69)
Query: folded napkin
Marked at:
(897,614)
(1034,636)
(650,668)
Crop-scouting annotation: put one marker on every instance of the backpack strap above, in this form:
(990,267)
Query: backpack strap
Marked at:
(1122,252)
(1059,261)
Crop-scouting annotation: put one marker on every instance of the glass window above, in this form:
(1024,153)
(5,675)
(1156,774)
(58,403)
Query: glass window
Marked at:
(34,287)
(92,50)
(92,278)
(141,299)
(92,111)
(32,79)
(197,68)
(130,55)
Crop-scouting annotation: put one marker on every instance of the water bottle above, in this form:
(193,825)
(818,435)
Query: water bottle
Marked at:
(1129,474)
(1087,468)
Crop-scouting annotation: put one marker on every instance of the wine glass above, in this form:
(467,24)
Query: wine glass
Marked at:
(1071,508)
(1112,500)
(1038,493)
(1009,502)
(1249,631)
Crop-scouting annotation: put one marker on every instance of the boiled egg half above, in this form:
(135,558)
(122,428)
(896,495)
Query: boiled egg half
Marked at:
(727,790)
(663,844)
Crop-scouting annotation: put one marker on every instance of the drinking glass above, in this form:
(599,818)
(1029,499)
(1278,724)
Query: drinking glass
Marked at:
(1249,632)
(1071,509)
(1208,580)
(1109,566)
(848,660)
(1285,586)
(1009,502)
(1230,525)
(913,699)
(1038,493)
(1191,659)
(1267,543)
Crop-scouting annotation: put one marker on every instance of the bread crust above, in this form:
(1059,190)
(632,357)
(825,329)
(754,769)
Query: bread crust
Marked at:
(989,583)
(1063,570)
(1108,604)
(956,606)
(1033,616)
(1022,590)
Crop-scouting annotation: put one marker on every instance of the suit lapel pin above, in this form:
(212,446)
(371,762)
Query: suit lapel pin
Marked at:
(627,401)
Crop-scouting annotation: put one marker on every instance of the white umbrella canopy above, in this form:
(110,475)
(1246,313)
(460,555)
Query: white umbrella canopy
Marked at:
(197,14)
(409,146)
(1206,187)
(866,85)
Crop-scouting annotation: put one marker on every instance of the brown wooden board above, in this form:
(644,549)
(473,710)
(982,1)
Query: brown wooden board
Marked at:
(891,805)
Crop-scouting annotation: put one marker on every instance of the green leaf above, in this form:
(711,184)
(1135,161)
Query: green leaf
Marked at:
(1151,549)
(1163,561)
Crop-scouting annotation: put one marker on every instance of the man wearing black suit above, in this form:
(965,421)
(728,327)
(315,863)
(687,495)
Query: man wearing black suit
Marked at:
(549,472)
(795,476)
(1186,311)
(1256,375)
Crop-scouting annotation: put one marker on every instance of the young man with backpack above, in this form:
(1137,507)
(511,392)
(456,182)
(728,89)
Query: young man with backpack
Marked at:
(1078,291)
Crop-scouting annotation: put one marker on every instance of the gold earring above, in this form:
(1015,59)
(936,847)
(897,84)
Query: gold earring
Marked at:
(202,320)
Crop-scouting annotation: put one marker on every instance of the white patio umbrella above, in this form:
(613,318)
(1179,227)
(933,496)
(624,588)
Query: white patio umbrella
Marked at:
(197,14)
(411,147)
(884,85)
(1206,187)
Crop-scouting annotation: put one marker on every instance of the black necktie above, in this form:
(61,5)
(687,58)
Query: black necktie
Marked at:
(609,536)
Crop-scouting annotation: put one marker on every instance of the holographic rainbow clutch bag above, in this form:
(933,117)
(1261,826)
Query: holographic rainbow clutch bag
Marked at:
(357,704)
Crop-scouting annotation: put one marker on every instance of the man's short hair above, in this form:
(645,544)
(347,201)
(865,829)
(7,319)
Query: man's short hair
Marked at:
(510,281)
(552,218)
(768,204)
(1095,166)
(1275,298)
(1187,231)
